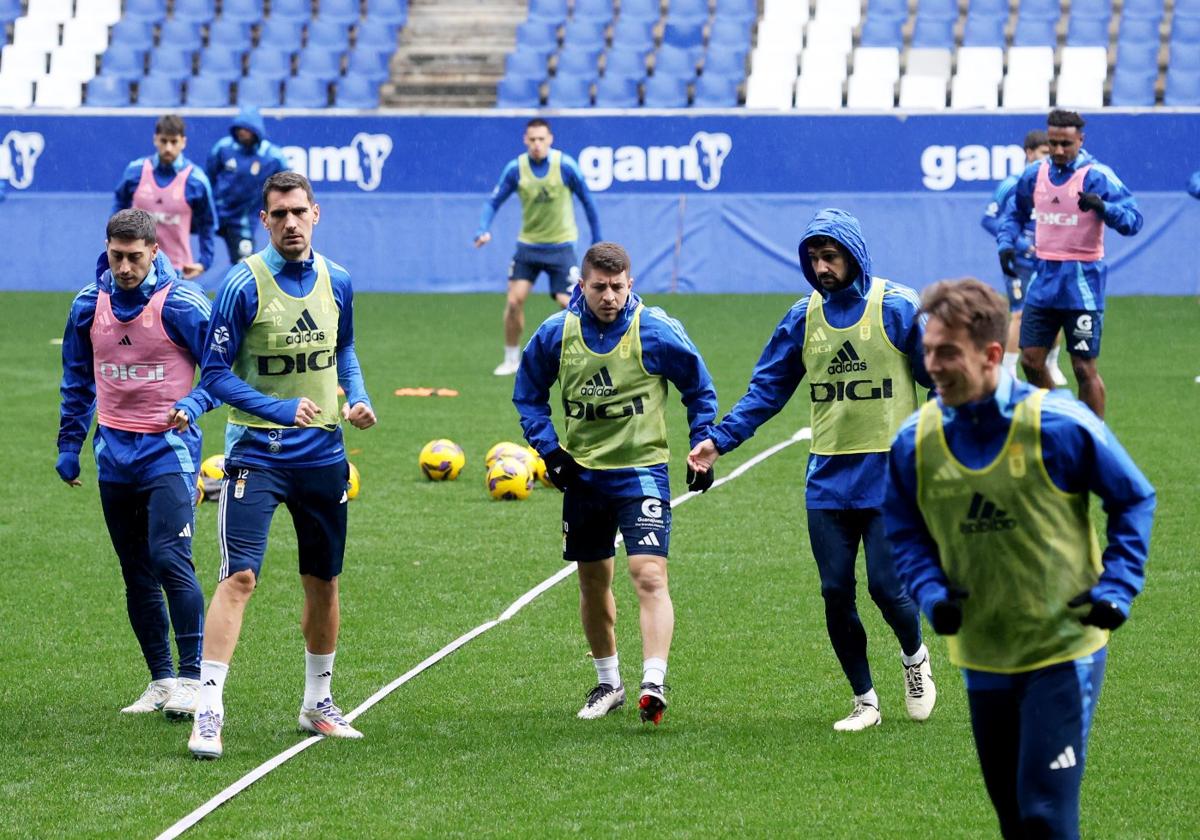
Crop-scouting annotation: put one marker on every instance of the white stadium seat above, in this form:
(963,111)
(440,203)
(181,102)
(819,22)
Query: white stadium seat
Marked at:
(1076,92)
(777,12)
(57,92)
(85,35)
(881,62)
(15,91)
(1025,91)
(768,91)
(1036,62)
(105,11)
(773,63)
(1084,62)
(981,62)
(70,63)
(974,92)
(923,93)
(21,62)
(55,10)
(815,61)
(780,39)
(833,35)
(816,91)
(36,32)
(870,92)
(928,61)
(846,11)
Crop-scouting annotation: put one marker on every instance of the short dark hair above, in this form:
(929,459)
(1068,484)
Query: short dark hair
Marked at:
(537,122)
(1034,139)
(128,225)
(971,304)
(1059,118)
(608,257)
(286,182)
(170,125)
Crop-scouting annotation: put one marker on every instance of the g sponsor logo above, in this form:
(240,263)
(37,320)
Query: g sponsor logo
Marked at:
(652,508)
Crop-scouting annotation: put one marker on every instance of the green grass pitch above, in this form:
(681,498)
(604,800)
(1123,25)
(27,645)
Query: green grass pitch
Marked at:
(486,742)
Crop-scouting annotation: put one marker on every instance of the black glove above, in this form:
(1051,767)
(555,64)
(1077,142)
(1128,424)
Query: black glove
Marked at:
(946,615)
(1008,262)
(699,482)
(1091,201)
(1104,614)
(561,469)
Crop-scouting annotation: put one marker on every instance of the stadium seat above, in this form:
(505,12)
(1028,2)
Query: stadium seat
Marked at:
(230,34)
(339,11)
(36,32)
(1087,32)
(1078,92)
(207,92)
(1040,9)
(745,11)
(1085,62)
(1091,9)
(298,10)
(665,92)
(778,13)
(154,91)
(585,33)
(882,32)
(634,33)
(684,32)
(769,90)
(527,63)
(172,63)
(725,63)
(393,12)
(786,39)
(548,10)
(1035,32)
(146,11)
(839,10)
(268,63)
(1186,9)
(375,35)
(818,61)
(716,92)
(922,93)
(578,61)
(869,92)
(356,92)
(306,92)
(318,63)
(598,10)
(642,9)
(1132,89)
(1026,92)
(107,92)
(197,11)
(937,10)
(135,34)
(258,91)
(277,33)
(180,35)
(929,33)
(570,92)
(241,11)
(1138,31)
(1184,59)
(974,91)
(368,64)
(984,31)
(107,12)
(928,62)
(1185,30)
(517,92)
(981,63)
(123,62)
(818,92)
(538,34)
(58,92)
(617,92)
(674,61)
(1138,58)
(685,8)
(625,63)
(15,92)
(878,62)
(1037,62)
(893,8)
(1144,9)
(53,10)
(328,35)
(19,61)
(70,63)
(832,34)
(85,35)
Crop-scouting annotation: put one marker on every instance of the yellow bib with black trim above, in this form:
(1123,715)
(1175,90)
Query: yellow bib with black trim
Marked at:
(290,349)
(547,205)
(1020,546)
(613,407)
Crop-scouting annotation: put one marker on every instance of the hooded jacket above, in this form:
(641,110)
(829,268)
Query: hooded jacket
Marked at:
(833,482)
(238,173)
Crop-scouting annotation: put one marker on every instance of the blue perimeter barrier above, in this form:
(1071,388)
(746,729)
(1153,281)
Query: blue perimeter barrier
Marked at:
(705,202)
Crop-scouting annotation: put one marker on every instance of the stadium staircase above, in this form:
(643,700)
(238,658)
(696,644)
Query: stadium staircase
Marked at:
(452,53)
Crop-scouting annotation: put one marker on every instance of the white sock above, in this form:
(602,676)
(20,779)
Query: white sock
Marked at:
(869,699)
(654,670)
(318,674)
(919,656)
(1052,358)
(212,686)
(1010,363)
(512,354)
(608,671)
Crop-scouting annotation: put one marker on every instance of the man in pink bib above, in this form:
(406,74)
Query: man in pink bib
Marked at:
(1073,198)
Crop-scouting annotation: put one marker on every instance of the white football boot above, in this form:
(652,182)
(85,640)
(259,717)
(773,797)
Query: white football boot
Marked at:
(206,735)
(182,702)
(601,700)
(863,717)
(153,698)
(919,691)
(326,719)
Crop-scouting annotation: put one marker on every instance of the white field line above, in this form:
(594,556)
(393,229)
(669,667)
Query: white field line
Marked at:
(266,767)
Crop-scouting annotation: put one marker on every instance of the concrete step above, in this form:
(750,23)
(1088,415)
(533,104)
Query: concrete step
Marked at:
(394,99)
(465,59)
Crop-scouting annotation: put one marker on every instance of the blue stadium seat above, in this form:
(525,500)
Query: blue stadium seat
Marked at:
(1087,32)
(570,92)
(394,12)
(598,10)
(168,62)
(730,64)
(146,11)
(935,10)
(1132,89)
(229,33)
(369,64)
(10,10)
(1091,9)
(241,11)
(207,92)
(306,92)
(539,34)
(1138,58)
(623,63)
(729,33)
(687,8)
(643,9)
(220,63)
(329,35)
(1040,9)
(280,32)
(617,92)
(259,91)
(301,10)
(1184,58)
(1146,9)
(180,34)
(881,31)
(197,11)
(984,30)
(665,92)
(1035,32)
(548,10)
(159,92)
(716,92)
(585,33)
(1138,31)
(674,61)
(742,10)
(138,34)
(341,11)
(1183,89)
(528,63)
(123,61)
(268,63)
(1185,31)
(107,92)
(684,32)
(578,61)
(319,63)
(987,8)
(518,92)
(356,92)
(376,35)
(1186,9)
(934,33)
(633,32)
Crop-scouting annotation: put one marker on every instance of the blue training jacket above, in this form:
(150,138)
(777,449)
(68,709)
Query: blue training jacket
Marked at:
(834,482)
(1001,204)
(666,351)
(507,185)
(1069,284)
(132,457)
(197,192)
(235,311)
(1080,454)
(238,172)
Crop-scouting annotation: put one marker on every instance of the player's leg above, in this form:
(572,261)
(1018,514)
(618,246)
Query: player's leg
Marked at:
(125,514)
(1015,287)
(1083,343)
(563,274)
(646,525)
(900,612)
(171,521)
(1039,326)
(522,271)
(995,705)
(834,539)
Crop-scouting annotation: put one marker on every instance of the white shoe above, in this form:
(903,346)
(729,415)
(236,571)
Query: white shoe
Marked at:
(601,700)
(1057,377)
(206,735)
(919,691)
(506,368)
(863,717)
(326,719)
(182,702)
(152,699)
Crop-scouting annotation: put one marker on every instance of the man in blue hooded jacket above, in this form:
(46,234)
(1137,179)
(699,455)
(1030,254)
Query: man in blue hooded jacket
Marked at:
(858,338)
(238,166)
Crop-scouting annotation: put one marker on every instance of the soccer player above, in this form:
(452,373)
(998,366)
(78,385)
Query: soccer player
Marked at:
(129,354)
(545,180)
(612,358)
(1036,149)
(176,193)
(1073,198)
(237,168)
(280,343)
(987,511)
(858,339)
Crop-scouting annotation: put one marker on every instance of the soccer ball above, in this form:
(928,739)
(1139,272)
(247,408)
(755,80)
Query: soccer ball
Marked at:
(509,478)
(212,474)
(506,449)
(441,460)
(353,483)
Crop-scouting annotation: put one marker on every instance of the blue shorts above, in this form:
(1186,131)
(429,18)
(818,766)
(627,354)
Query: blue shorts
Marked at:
(591,520)
(1040,325)
(316,498)
(558,262)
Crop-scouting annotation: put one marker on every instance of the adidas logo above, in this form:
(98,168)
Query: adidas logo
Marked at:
(984,517)
(651,538)
(1081,345)
(324,675)
(304,331)
(1054,200)
(846,360)
(947,472)
(543,196)
(600,385)
(1066,759)
(211,683)
(125,342)
(275,305)
(187,530)
(818,335)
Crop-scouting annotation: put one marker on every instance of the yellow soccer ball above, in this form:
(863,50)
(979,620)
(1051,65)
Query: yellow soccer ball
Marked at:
(509,478)
(353,483)
(209,481)
(505,449)
(213,467)
(442,460)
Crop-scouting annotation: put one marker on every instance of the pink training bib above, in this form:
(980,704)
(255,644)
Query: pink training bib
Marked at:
(140,372)
(1064,232)
(168,205)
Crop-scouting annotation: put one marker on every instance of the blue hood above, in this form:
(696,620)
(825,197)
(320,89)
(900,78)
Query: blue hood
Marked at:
(249,118)
(578,305)
(163,270)
(839,225)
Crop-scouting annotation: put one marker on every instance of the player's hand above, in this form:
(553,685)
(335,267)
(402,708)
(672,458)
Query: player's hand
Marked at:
(306,412)
(482,239)
(699,481)
(703,455)
(561,469)
(947,614)
(192,270)
(1008,262)
(1091,201)
(178,418)
(360,416)
(67,467)
(1103,614)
